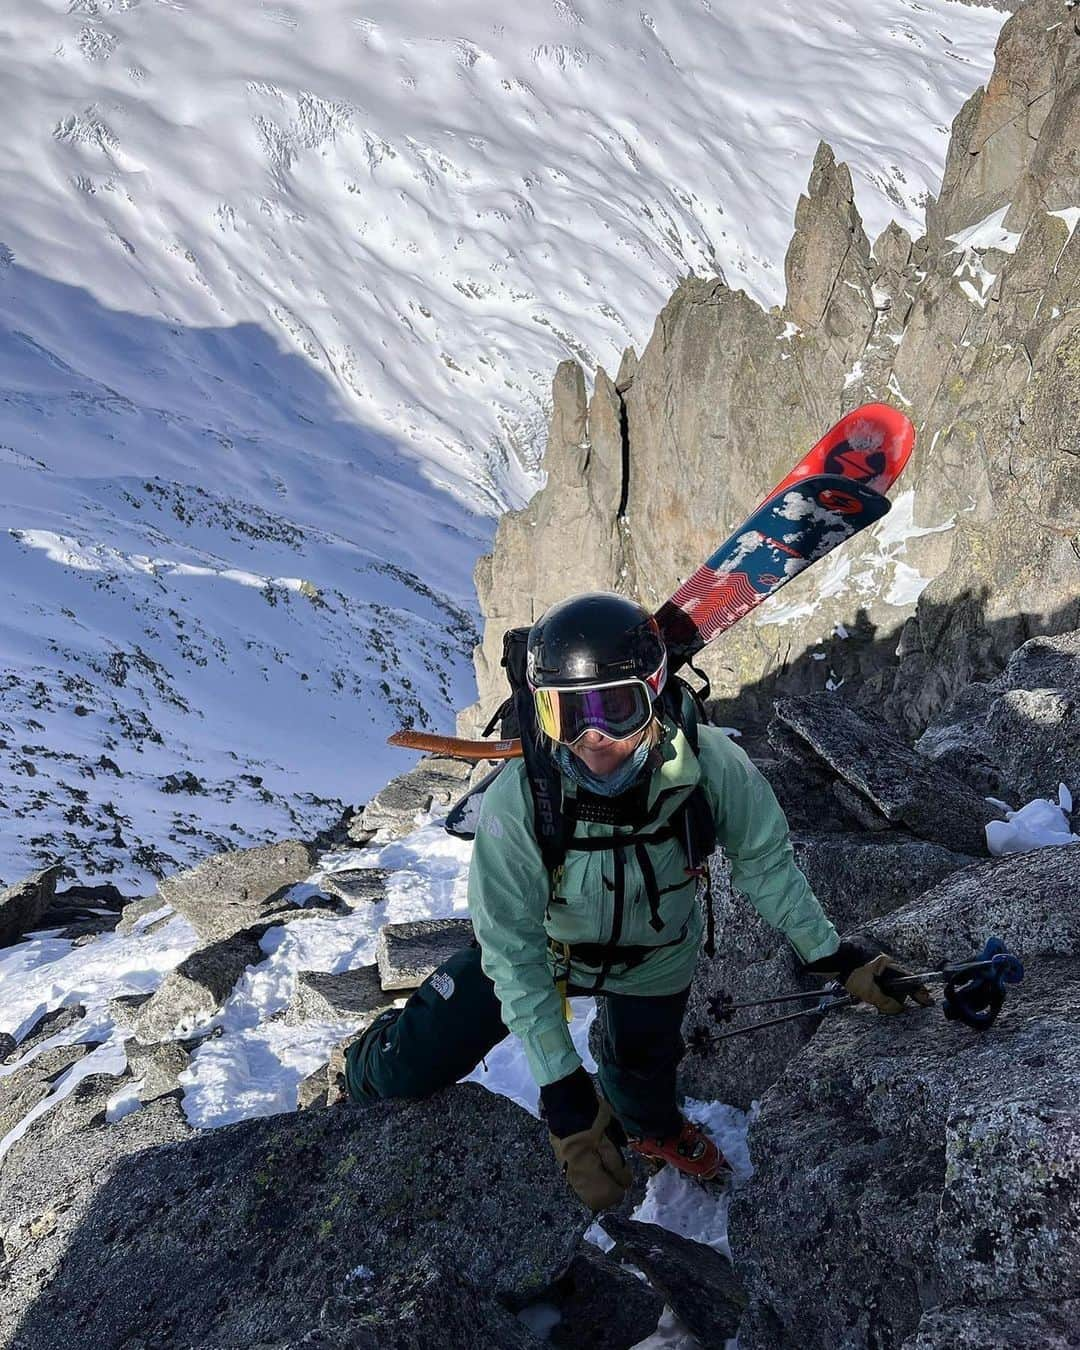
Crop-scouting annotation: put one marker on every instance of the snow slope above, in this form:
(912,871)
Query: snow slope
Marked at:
(282,287)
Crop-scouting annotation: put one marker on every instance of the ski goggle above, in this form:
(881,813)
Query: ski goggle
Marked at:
(615,710)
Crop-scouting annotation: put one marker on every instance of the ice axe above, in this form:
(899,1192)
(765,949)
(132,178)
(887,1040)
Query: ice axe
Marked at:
(974,994)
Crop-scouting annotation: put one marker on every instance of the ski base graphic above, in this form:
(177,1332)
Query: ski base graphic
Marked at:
(834,491)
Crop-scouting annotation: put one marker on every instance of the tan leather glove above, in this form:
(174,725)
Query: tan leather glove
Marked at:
(592,1164)
(862,984)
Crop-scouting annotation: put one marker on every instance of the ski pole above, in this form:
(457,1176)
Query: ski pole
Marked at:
(974,994)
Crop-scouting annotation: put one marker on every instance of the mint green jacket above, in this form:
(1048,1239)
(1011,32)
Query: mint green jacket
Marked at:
(516,908)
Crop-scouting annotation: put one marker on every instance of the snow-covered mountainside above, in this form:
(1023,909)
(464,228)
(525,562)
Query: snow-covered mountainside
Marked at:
(281,290)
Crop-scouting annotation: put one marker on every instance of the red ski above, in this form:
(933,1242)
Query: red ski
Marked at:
(835,491)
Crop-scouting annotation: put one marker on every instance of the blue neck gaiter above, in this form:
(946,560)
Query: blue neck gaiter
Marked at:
(612,784)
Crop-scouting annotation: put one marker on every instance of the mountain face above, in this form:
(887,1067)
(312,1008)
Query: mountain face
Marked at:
(281,288)
(972,329)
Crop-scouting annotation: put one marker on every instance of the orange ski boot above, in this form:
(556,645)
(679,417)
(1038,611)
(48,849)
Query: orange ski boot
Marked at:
(689,1151)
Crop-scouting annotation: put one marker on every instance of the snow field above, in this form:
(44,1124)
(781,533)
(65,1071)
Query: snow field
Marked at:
(432,205)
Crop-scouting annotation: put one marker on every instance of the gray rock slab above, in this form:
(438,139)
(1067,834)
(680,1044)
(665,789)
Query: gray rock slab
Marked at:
(195,989)
(904,786)
(47,1193)
(80,1109)
(138,910)
(603,1305)
(956,740)
(1029,900)
(697,1282)
(422,1307)
(1033,1324)
(122,1008)
(105,896)
(30,1084)
(158,1066)
(1018,736)
(48,1024)
(313,1092)
(927,1155)
(433,783)
(801,789)
(350,995)
(23,905)
(860,876)
(357,885)
(407,953)
(232,891)
(78,924)
(243,1235)
(859,808)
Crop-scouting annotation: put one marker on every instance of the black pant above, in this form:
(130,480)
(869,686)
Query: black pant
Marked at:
(453,1020)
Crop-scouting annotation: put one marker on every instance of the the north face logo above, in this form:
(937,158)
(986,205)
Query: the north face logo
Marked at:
(442,983)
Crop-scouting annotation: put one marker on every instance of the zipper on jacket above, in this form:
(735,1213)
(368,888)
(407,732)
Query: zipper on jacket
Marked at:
(619,901)
(617,906)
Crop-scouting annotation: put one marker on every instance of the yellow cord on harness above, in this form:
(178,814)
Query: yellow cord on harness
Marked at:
(560,984)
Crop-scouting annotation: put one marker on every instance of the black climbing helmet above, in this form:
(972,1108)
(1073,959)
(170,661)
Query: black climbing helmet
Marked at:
(595,661)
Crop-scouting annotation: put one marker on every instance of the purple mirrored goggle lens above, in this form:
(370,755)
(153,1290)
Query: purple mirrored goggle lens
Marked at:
(615,710)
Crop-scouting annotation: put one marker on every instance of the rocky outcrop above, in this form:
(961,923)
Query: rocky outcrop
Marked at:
(584,501)
(344,997)
(261,1232)
(407,953)
(30,1084)
(879,779)
(1034,1325)
(137,915)
(425,1305)
(358,885)
(602,1305)
(828,265)
(46,1026)
(228,892)
(191,994)
(857,878)
(938,1168)
(23,905)
(391,813)
(860,876)
(696,1281)
(975,333)
(1016,737)
(48,1192)
(156,1068)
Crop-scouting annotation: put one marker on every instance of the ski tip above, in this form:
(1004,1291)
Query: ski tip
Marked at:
(872,429)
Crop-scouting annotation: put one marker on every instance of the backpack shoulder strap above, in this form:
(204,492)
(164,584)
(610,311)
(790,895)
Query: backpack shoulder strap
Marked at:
(685,709)
(545,784)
